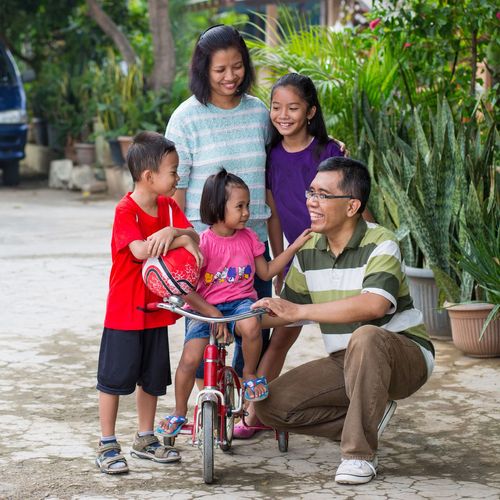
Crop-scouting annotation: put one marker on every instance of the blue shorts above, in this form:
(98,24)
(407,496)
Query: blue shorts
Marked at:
(200,330)
(134,357)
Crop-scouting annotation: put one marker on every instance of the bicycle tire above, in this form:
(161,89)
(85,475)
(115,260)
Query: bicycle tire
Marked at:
(283,441)
(228,391)
(208,412)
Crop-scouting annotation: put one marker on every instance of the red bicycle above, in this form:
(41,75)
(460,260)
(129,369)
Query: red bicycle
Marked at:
(221,399)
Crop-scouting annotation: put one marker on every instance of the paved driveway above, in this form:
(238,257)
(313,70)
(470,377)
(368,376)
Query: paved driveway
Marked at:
(443,442)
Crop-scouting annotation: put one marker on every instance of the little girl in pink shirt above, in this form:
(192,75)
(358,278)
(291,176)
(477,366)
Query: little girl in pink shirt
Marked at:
(233,255)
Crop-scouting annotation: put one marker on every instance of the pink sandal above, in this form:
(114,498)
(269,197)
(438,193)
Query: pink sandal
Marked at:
(244,431)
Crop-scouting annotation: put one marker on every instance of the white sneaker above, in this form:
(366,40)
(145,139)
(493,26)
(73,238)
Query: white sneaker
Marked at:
(390,408)
(356,471)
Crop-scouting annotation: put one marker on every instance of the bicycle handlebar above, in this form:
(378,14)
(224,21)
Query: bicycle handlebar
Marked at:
(175,303)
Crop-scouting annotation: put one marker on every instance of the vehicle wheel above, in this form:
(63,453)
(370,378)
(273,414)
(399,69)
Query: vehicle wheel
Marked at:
(283,441)
(209,411)
(229,397)
(168,441)
(10,172)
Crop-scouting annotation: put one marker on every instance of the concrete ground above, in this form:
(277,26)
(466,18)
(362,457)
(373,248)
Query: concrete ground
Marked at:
(443,442)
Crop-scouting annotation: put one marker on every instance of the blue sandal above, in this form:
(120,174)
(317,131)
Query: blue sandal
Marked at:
(171,419)
(251,384)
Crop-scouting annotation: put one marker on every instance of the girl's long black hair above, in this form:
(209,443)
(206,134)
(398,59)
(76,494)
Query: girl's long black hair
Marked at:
(306,90)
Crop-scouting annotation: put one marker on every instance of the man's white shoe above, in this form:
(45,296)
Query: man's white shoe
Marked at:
(356,471)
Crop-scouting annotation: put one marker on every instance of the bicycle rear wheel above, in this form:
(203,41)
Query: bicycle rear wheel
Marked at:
(229,397)
(208,415)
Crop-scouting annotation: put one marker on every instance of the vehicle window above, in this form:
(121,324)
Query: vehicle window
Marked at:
(7,76)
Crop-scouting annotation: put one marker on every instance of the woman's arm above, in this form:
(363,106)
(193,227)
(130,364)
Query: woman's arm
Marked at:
(180,198)
(275,237)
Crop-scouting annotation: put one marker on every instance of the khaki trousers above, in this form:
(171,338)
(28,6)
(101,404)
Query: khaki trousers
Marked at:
(343,396)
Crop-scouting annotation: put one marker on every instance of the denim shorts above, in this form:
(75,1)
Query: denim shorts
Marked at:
(200,330)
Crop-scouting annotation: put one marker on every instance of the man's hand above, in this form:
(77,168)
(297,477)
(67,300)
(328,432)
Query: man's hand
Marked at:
(281,308)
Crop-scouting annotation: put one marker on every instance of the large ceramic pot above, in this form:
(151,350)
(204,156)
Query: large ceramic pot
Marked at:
(116,152)
(425,295)
(466,324)
(125,143)
(85,153)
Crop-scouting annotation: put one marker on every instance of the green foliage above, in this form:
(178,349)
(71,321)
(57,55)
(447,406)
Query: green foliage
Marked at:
(340,64)
(443,39)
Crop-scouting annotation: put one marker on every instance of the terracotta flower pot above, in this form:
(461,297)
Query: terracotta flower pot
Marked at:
(85,153)
(466,324)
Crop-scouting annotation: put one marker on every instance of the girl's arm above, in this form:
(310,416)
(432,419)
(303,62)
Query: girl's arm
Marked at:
(199,304)
(266,270)
(275,236)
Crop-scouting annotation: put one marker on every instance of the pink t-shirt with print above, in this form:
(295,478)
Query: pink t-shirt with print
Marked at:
(229,266)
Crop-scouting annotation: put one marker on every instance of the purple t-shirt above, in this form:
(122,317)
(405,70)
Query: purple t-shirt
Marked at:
(288,175)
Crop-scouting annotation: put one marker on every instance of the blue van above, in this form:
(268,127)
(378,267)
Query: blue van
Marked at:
(13,118)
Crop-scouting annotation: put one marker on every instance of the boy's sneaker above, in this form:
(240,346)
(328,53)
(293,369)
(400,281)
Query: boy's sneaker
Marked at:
(356,471)
(390,408)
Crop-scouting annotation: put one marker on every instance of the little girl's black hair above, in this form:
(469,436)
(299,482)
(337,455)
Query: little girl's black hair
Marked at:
(307,91)
(215,194)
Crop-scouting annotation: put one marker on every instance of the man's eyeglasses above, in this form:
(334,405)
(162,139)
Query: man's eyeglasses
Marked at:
(312,195)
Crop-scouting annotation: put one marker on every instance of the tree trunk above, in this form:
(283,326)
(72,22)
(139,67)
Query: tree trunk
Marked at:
(113,31)
(163,45)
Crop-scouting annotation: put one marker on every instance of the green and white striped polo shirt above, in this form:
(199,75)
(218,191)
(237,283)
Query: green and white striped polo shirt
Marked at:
(370,263)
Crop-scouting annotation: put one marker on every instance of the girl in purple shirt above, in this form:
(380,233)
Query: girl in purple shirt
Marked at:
(299,143)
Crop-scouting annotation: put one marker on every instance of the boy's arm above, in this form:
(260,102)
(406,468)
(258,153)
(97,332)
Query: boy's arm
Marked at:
(266,270)
(143,249)
(199,304)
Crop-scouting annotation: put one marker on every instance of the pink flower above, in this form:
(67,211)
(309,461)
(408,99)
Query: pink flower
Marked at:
(373,24)
(498,15)
(406,45)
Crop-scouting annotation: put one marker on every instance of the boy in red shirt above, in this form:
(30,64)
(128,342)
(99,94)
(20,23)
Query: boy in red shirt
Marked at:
(134,354)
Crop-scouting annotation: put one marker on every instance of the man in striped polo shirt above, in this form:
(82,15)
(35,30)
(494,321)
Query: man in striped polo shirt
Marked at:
(350,279)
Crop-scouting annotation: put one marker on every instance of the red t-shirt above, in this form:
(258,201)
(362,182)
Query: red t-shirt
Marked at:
(128,296)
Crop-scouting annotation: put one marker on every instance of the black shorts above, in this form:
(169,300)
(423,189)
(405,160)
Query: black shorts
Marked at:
(134,357)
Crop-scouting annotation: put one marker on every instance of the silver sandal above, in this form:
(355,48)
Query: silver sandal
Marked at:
(104,463)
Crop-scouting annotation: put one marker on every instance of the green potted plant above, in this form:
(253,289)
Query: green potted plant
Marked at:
(475,325)
(415,172)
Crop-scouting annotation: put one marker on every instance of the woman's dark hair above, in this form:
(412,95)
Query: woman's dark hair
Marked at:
(216,38)
(146,153)
(306,90)
(355,177)
(215,194)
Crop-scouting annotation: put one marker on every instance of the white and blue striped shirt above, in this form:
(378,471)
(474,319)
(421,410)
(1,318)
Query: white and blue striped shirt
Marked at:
(208,138)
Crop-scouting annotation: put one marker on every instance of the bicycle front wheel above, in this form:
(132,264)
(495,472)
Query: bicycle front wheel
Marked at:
(208,413)
(229,397)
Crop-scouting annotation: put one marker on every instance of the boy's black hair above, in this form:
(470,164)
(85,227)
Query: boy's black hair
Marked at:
(355,177)
(306,90)
(219,37)
(215,194)
(146,153)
